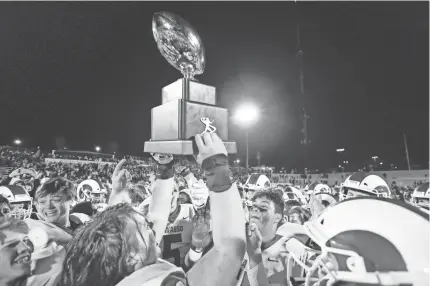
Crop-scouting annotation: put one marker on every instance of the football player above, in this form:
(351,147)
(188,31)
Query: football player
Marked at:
(119,246)
(264,245)
(53,202)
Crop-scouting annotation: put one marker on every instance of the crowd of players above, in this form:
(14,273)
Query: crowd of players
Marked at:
(176,222)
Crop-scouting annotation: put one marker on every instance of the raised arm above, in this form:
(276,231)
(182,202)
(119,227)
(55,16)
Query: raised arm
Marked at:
(221,265)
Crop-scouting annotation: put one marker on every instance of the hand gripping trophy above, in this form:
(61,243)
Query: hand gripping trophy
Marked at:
(188,107)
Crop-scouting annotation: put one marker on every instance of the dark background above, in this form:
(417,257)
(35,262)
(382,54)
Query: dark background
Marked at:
(91,72)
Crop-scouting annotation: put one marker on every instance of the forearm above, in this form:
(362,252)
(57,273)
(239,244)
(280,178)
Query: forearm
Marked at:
(257,275)
(159,208)
(225,204)
(222,262)
(227,207)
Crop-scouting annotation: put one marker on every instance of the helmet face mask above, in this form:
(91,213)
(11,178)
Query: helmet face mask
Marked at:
(372,252)
(21,210)
(421,196)
(20,201)
(363,184)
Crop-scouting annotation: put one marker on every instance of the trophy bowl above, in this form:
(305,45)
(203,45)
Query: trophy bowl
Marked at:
(179,43)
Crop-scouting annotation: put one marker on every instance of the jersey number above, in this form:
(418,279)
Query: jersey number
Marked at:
(168,252)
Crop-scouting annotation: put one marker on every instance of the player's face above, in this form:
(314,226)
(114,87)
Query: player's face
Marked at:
(295,218)
(423,202)
(54,208)
(15,254)
(4,212)
(262,213)
(182,199)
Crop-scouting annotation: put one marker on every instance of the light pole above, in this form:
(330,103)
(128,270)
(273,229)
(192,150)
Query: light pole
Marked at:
(246,115)
(247,152)
(98,148)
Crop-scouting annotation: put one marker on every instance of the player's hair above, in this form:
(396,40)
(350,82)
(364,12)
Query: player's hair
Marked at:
(273,195)
(54,186)
(137,193)
(97,254)
(188,197)
(4,200)
(303,213)
(290,204)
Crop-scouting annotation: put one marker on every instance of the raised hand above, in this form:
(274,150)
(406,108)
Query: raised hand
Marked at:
(120,177)
(209,144)
(253,239)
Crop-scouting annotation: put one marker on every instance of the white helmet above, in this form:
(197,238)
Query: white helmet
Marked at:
(292,193)
(421,196)
(364,184)
(254,183)
(316,187)
(365,247)
(91,190)
(326,199)
(19,200)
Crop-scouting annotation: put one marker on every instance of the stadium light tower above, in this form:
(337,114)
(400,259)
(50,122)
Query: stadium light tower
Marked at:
(98,148)
(247,115)
(17,142)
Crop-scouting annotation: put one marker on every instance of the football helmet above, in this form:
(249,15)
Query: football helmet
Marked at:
(298,194)
(316,187)
(91,190)
(255,182)
(421,196)
(359,247)
(19,200)
(325,198)
(364,184)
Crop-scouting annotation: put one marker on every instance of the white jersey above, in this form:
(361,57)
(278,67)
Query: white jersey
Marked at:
(275,259)
(176,241)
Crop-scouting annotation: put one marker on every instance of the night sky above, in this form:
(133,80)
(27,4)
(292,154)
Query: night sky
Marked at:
(91,72)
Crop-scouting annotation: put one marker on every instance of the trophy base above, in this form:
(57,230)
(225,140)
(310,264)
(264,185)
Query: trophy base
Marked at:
(180,147)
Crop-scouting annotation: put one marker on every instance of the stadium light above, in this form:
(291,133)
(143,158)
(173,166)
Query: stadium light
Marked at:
(98,148)
(375,157)
(246,115)
(17,142)
(340,150)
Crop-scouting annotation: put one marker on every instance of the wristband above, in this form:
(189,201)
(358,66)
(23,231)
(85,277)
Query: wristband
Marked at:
(217,168)
(166,171)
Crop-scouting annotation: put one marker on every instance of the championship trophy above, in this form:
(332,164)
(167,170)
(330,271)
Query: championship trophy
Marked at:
(188,107)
